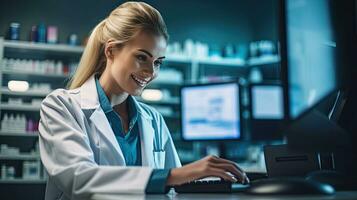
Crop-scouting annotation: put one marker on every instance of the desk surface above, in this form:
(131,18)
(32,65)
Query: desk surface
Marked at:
(236,196)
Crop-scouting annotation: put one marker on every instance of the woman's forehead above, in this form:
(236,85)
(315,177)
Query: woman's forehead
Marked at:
(153,43)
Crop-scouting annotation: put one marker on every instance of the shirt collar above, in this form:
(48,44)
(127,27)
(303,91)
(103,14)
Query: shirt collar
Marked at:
(107,106)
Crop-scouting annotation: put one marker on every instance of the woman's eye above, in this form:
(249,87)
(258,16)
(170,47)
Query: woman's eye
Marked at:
(141,57)
(157,63)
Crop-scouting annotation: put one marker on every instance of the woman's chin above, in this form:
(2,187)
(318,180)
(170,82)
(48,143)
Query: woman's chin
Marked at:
(136,92)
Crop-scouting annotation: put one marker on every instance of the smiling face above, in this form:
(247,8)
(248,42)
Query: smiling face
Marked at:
(133,66)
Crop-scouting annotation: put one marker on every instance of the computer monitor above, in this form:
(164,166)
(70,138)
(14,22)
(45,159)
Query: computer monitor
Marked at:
(267,111)
(267,101)
(310,53)
(310,72)
(211,111)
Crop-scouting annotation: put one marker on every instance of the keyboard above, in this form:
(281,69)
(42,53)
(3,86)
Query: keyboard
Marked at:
(206,185)
(216,185)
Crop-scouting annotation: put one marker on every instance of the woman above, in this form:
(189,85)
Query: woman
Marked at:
(95,137)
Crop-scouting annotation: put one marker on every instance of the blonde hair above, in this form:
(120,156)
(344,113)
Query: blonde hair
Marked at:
(121,25)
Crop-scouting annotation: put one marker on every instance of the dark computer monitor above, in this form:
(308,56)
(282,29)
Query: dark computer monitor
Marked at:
(211,111)
(310,72)
(267,111)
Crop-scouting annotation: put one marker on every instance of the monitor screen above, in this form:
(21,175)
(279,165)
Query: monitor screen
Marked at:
(311,53)
(210,112)
(267,102)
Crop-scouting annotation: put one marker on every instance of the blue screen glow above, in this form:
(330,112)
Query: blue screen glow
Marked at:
(311,53)
(210,112)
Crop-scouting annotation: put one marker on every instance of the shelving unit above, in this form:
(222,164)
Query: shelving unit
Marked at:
(25,140)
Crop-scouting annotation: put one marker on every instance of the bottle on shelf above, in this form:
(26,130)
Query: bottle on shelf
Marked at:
(3,172)
(5,123)
(10,172)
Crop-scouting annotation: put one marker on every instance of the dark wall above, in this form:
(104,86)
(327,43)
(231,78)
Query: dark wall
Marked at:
(214,22)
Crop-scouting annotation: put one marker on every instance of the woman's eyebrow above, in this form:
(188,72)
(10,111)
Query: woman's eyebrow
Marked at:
(149,54)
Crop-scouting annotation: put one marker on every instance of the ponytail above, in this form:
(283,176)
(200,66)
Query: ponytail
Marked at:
(91,60)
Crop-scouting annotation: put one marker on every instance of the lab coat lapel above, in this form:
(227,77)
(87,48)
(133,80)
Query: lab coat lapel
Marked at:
(146,136)
(147,142)
(90,100)
(99,119)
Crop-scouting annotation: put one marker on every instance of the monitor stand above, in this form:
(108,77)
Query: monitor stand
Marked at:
(217,149)
(315,132)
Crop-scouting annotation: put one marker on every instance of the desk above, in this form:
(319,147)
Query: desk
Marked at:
(234,196)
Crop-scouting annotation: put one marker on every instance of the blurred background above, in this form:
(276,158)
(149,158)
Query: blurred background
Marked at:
(210,41)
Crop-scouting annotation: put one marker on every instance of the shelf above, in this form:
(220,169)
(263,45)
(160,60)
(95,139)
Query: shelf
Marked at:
(19,134)
(23,107)
(22,156)
(22,181)
(232,62)
(178,58)
(264,60)
(165,83)
(172,101)
(43,46)
(12,72)
(5,90)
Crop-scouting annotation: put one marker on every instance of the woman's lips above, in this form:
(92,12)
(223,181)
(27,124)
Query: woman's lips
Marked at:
(140,81)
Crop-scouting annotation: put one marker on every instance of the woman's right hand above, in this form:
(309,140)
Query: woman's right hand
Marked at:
(208,166)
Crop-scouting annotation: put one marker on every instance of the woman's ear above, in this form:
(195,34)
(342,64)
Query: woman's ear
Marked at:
(108,51)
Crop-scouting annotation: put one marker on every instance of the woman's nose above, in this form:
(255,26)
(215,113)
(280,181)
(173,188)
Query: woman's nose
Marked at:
(149,69)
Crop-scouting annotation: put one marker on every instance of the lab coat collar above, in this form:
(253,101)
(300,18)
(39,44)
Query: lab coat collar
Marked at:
(89,95)
(90,99)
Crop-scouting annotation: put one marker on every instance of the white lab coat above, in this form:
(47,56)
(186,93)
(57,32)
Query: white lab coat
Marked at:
(81,154)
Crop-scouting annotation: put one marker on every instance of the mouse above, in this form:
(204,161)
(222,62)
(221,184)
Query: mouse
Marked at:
(336,179)
(288,186)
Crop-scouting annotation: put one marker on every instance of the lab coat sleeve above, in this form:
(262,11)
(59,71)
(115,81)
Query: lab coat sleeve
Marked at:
(68,158)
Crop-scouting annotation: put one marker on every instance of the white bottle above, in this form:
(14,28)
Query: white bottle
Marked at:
(3,172)
(5,63)
(32,65)
(11,63)
(17,123)
(255,75)
(25,170)
(10,172)
(22,65)
(52,67)
(22,123)
(59,68)
(28,66)
(5,123)
(37,66)
(11,123)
